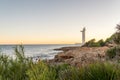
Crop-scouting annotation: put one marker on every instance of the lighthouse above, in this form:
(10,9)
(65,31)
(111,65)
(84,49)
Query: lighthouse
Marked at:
(83,35)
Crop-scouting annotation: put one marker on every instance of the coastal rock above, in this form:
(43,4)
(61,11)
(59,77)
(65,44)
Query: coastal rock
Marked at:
(79,56)
(65,49)
(63,56)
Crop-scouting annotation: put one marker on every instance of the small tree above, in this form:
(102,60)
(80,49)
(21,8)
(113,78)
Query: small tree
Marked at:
(101,42)
(117,35)
(118,28)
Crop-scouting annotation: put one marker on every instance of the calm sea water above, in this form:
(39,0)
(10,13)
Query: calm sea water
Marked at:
(42,51)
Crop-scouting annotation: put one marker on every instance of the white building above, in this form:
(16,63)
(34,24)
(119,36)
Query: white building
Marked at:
(83,35)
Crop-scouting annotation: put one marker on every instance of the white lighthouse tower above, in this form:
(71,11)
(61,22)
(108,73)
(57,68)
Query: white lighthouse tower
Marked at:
(83,35)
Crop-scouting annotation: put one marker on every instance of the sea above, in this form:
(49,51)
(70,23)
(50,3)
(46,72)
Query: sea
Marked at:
(41,51)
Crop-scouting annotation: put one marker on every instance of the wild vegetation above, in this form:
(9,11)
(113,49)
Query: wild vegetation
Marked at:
(93,43)
(114,52)
(22,68)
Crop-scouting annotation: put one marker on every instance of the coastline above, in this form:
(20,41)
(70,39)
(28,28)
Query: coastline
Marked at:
(79,56)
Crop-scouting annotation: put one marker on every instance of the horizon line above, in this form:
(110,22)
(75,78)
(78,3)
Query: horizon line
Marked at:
(39,44)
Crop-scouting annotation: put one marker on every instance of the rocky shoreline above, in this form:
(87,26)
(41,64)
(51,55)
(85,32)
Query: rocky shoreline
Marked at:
(79,56)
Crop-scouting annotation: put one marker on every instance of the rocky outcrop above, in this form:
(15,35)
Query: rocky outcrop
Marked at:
(79,56)
(67,48)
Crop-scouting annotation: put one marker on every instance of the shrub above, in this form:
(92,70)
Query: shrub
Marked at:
(95,71)
(14,69)
(117,38)
(112,52)
(70,73)
(41,71)
(101,43)
(100,71)
(110,39)
(117,35)
(93,43)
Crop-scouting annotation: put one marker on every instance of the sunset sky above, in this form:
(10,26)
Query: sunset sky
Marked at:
(56,21)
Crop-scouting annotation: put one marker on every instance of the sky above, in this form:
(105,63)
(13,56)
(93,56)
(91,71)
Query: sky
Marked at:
(57,21)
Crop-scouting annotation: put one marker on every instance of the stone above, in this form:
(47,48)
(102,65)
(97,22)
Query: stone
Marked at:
(80,56)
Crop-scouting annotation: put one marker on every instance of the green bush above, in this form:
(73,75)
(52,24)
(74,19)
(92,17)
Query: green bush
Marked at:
(14,69)
(41,71)
(117,38)
(117,35)
(110,39)
(96,71)
(100,71)
(115,51)
(112,52)
(93,43)
(101,42)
